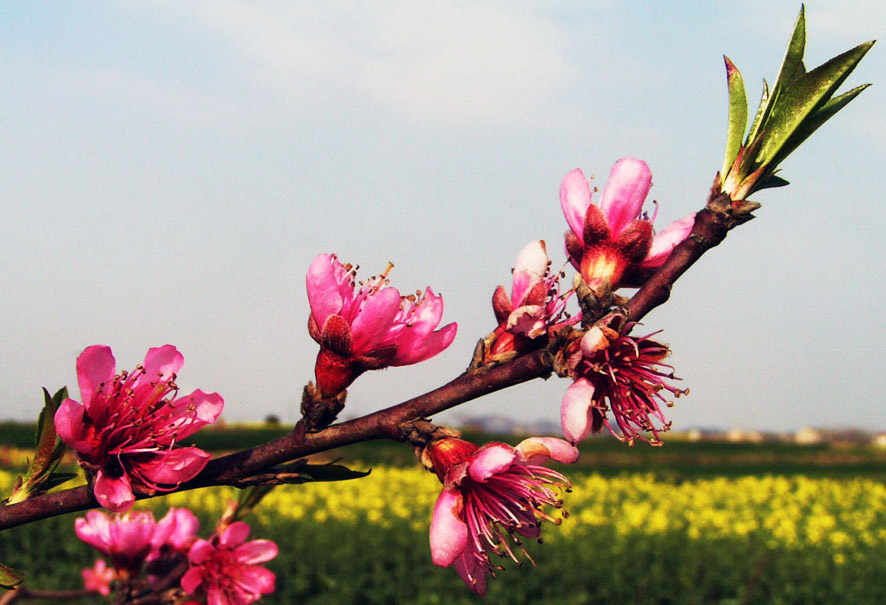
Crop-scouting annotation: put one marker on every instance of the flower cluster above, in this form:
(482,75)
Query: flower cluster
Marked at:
(492,496)
(226,568)
(125,430)
(620,373)
(133,539)
(368,327)
(613,244)
(223,570)
(535,304)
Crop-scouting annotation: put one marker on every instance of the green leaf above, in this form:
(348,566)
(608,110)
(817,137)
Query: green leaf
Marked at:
(762,113)
(738,114)
(330,472)
(9,577)
(46,436)
(803,97)
(792,67)
(812,123)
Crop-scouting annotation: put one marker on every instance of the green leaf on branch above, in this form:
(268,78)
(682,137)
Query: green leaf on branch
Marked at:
(9,577)
(40,474)
(329,472)
(788,114)
(738,114)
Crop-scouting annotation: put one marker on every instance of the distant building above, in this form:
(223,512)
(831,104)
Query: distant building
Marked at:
(879,440)
(740,435)
(808,436)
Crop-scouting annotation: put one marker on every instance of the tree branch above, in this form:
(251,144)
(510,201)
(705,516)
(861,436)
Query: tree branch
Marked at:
(378,425)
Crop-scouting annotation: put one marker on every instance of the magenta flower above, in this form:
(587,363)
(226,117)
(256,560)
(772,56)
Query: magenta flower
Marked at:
(128,424)
(125,539)
(226,568)
(492,495)
(98,578)
(535,302)
(176,531)
(613,244)
(619,373)
(368,327)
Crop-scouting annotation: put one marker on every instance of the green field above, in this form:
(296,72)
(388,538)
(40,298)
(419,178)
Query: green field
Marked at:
(686,523)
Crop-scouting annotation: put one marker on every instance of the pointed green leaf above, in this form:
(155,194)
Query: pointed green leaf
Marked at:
(9,577)
(804,97)
(330,472)
(812,123)
(771,182)
(56,479)
(762,113)
(46,435)
(738,114)
(792,67)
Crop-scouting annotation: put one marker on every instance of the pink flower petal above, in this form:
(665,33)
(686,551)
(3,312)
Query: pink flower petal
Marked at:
(177,528)
(624,194)
(94,530)
(234,535)
(255,580)
(373,322)
(256,551)
(472,572)
(575,197)
(161,363)
(200,551)
(95,366)
(324,287)
(171,467)
(449,534)
(71,427)
(192,579)
(664,242)
(113,493)
(216,596)
(188,415)
(415,347)
(529,269)
(538,450)
(575,410)
(489,460)
(528,320)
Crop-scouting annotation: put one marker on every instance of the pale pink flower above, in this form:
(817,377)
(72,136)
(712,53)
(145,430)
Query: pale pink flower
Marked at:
(128,424)
(126,539)
(535,302)
(368,326)
(98,578)
(615,372)
(613,244)
(492,496)
(226,568)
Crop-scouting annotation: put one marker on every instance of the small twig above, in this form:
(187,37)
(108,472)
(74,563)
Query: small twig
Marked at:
(23,592)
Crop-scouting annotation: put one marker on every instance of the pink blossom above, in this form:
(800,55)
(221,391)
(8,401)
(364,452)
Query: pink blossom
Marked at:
(613,244)
(226,568)
(492,495)
(615,372)
(128,424)
(98,578)
(535,303)
(126,539)
(368,326)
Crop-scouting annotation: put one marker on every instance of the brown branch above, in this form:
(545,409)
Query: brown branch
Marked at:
(711,226)
(382,424)
(712,223)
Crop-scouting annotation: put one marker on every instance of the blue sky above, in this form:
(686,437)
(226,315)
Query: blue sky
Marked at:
(169,170)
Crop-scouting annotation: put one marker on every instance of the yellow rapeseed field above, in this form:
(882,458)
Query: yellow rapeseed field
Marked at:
(792,512)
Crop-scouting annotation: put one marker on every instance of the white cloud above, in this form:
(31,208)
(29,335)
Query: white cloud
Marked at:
(451,62)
